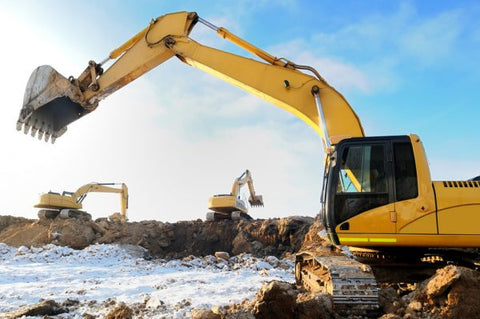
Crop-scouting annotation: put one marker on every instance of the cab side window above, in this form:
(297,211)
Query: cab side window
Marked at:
(405,172)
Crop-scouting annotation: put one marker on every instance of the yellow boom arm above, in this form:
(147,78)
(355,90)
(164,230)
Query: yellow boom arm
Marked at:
(246,178)
(81,193)
(52,102)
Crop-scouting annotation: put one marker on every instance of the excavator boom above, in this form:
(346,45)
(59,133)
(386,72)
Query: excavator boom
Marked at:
(52,101)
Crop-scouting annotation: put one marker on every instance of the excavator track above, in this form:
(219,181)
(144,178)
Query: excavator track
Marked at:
(351,284)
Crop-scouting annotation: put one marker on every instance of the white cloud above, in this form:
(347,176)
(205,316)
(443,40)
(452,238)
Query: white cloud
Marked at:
(432,39)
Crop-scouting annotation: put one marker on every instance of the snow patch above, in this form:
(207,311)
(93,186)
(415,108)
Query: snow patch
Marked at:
(101,276)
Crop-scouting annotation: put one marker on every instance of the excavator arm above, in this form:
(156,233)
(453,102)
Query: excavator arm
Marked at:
(80,194)
(246,178)
(52,101)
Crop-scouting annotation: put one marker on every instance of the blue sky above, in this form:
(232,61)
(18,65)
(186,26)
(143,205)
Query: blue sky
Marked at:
(177,135)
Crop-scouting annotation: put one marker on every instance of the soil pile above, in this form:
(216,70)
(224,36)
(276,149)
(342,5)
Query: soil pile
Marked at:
(276,237)
(451,293)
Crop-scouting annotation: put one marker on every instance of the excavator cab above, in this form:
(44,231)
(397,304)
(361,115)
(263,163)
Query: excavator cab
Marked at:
(50,103)
(368,176)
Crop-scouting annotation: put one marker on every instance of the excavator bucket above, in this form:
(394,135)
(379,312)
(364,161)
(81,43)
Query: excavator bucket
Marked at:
(51,102)
(256,200)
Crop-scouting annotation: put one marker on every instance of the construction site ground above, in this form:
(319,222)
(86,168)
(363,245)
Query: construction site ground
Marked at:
(450,293)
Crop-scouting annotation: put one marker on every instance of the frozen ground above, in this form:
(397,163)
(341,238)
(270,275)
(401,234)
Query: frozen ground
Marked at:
(101,276)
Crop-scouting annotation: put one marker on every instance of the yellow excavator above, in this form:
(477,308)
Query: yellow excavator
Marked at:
(378,198)
(69,204)
(232,206)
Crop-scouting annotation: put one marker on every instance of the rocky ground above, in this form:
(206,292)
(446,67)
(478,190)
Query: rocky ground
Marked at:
(450,293)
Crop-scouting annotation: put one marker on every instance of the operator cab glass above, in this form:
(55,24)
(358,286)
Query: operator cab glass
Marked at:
(361,183)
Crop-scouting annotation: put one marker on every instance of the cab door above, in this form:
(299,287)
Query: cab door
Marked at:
(363,200)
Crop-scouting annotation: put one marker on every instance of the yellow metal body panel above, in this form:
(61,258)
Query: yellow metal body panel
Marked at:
(53,201)
(425,224)
(225,204)
(377,220)
(410,212)
(458,207)
(410,240)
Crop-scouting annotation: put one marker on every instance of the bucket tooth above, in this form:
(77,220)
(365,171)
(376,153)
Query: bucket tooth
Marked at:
(26,128)
(40,135)
(33,131)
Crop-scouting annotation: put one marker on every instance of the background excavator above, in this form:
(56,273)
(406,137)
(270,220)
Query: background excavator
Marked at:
(233,206)
(69,204)
(377,197)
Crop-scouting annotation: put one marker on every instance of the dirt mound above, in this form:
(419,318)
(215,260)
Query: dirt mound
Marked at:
(451,293)
(6,221)
(276,299)
(276,237)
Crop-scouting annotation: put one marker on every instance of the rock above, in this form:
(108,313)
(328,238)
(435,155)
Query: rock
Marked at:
(443,279)
(204,314)
(451,293)
(122,311)
(314,306)
(75,233)
(44,308)
(415,306)
(241,244)
(222,255)
(240,315)
(275,300)
(219,310)
(390,301)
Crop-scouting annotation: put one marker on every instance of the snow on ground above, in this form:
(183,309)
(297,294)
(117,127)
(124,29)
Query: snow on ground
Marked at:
(101,276)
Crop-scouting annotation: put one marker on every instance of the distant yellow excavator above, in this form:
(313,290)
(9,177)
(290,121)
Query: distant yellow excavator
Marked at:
(69,204)
(232,206)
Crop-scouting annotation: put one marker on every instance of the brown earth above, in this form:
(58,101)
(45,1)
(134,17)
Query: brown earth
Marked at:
(451,293)
(277,237)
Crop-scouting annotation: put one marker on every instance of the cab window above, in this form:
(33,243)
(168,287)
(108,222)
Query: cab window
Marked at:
(362,182)
(362,170)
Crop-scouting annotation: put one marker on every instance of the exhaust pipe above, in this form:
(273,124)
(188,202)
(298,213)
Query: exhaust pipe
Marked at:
(50,103)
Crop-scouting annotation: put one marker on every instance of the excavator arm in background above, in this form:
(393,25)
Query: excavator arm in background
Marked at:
(69,204)
(246,178)
(232,206)
(51,101)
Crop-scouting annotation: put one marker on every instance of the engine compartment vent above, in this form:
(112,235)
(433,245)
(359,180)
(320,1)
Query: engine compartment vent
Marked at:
(462,184)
